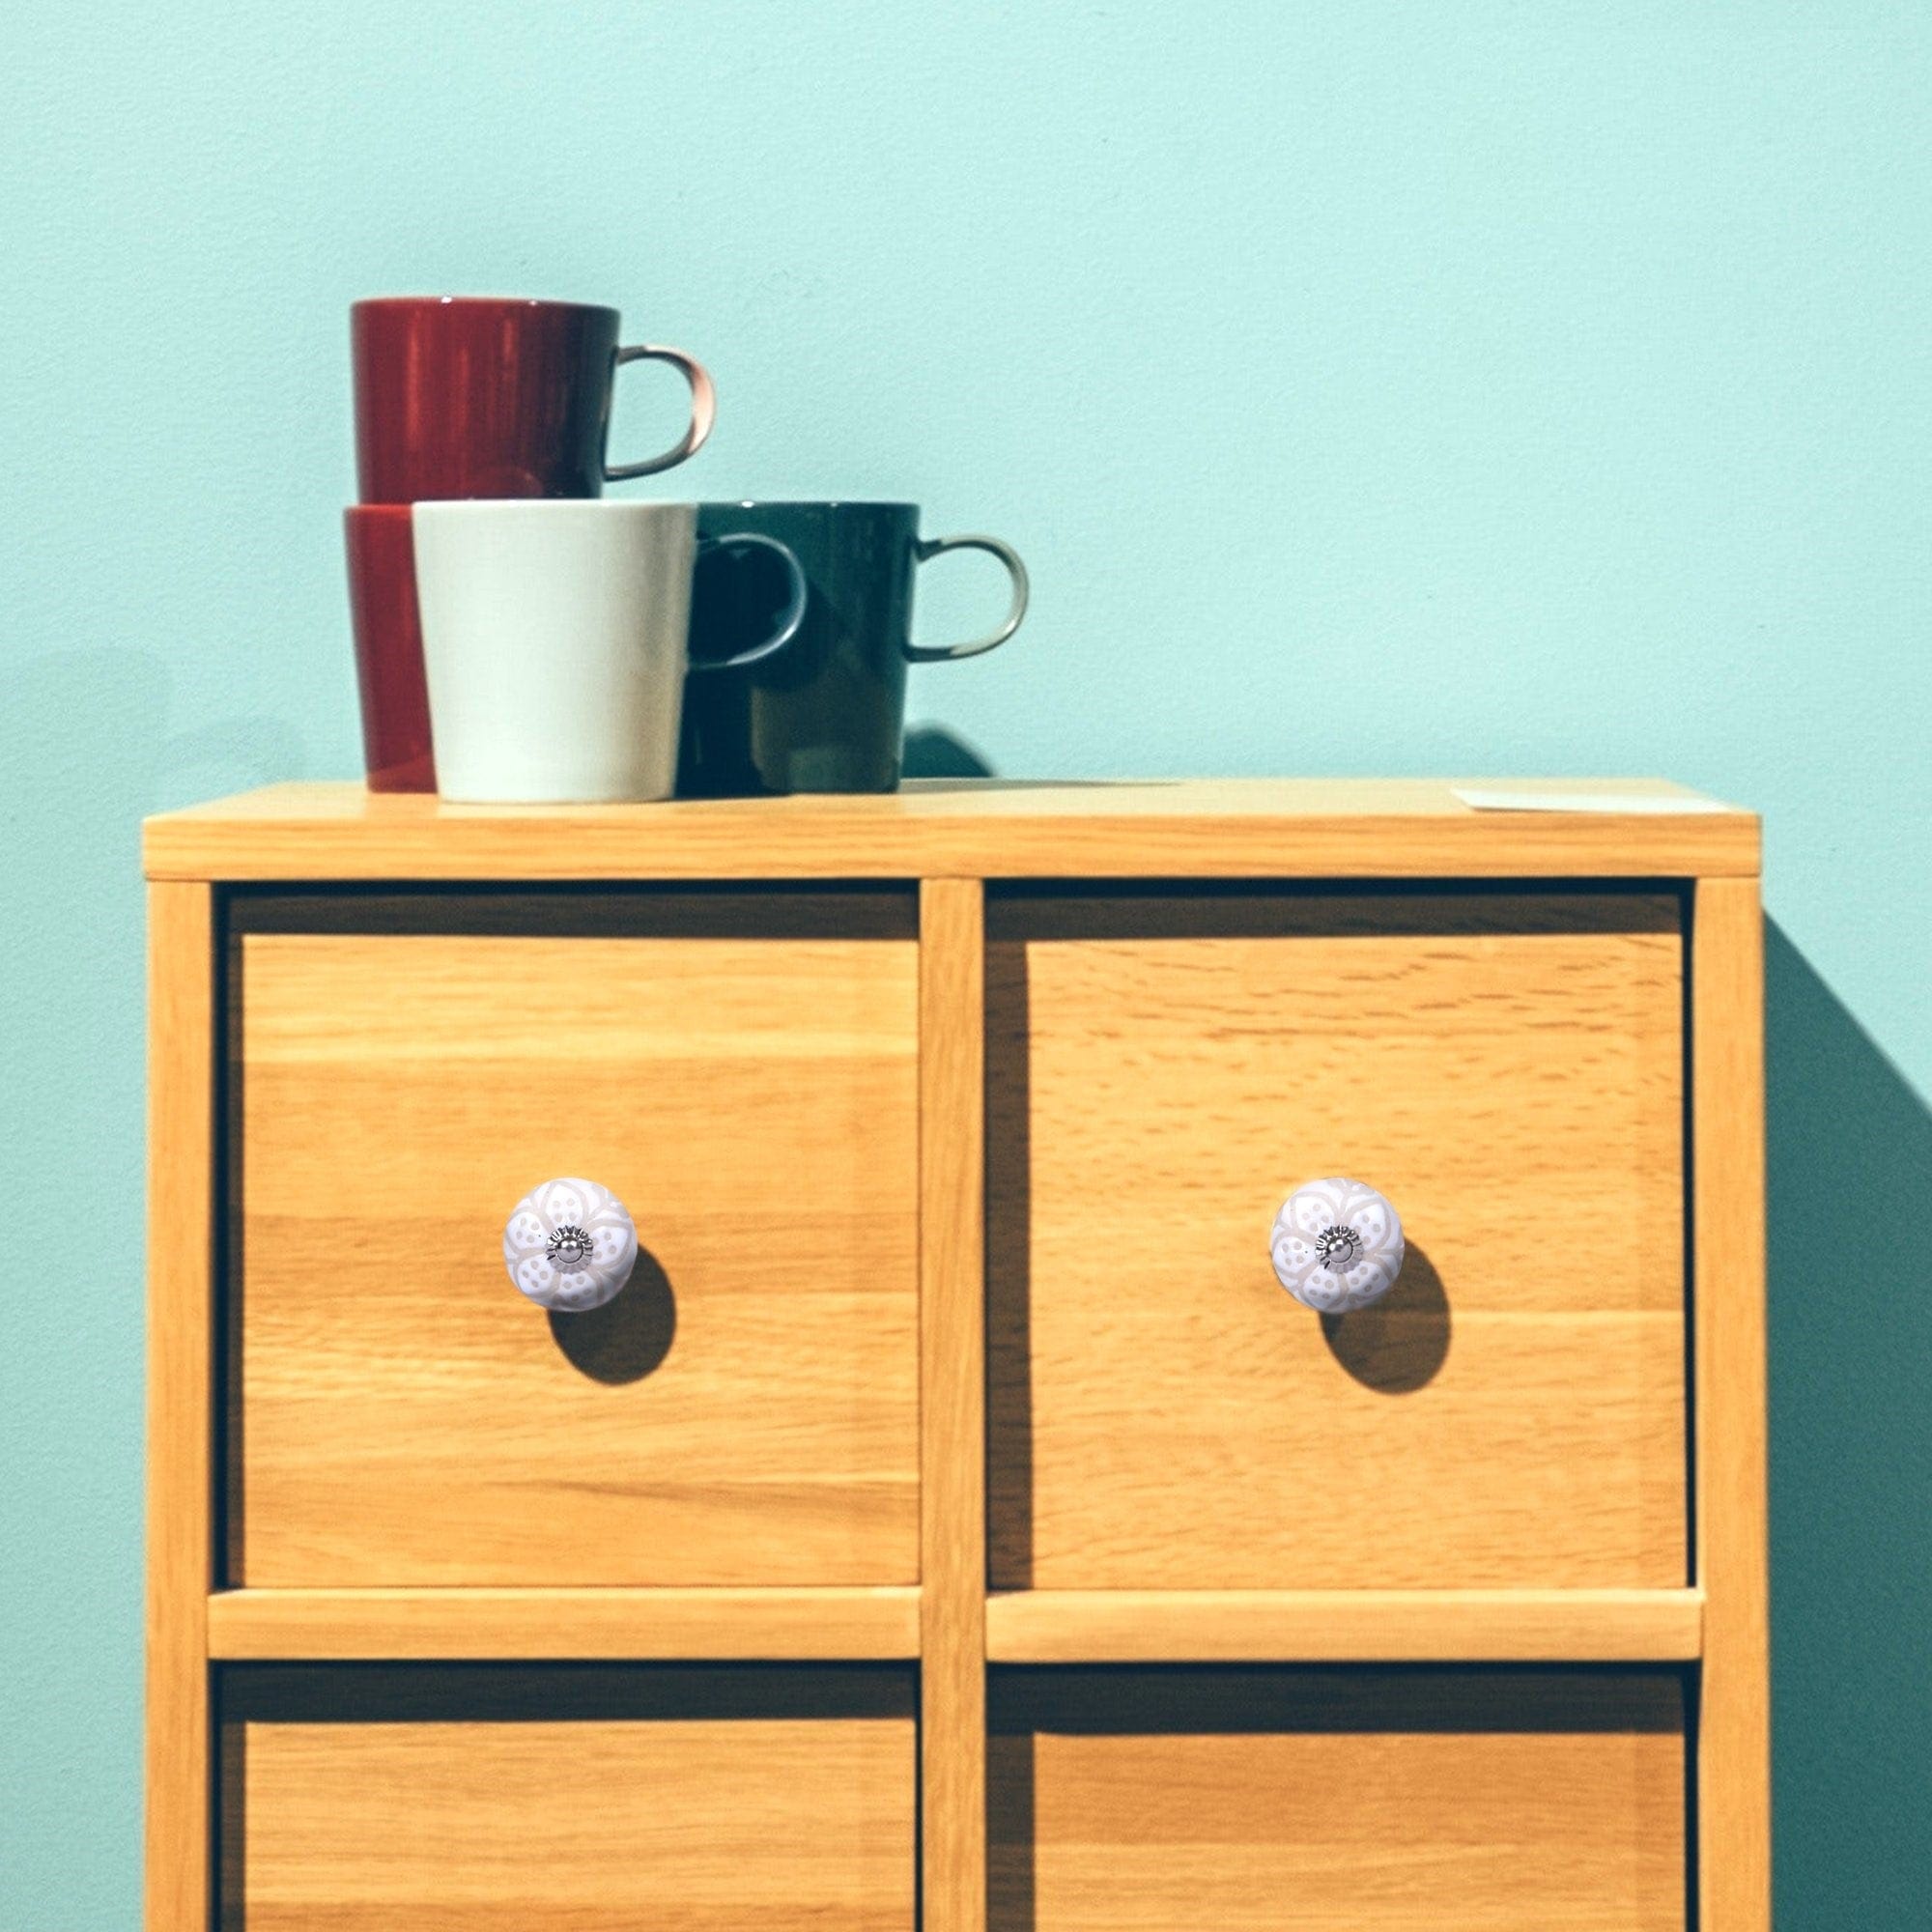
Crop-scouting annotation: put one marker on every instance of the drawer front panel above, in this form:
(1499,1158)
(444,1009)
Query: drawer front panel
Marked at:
(1162,1073)
(1383,1802)
(744,1078)
(398,1799)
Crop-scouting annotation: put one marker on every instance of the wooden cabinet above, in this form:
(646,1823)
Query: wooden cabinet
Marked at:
(952,1517)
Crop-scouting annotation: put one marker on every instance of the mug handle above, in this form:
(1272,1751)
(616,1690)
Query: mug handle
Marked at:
(704,410)
(790,619)
(925,549)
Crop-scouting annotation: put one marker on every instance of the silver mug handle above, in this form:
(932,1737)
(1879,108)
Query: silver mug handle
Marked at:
(925,549)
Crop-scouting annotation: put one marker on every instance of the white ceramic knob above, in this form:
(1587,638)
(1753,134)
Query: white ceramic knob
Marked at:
(1337,1245)
(570,1245)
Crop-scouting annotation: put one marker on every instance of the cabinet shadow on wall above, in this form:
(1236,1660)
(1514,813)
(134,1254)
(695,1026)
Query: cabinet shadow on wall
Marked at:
(1850,1227)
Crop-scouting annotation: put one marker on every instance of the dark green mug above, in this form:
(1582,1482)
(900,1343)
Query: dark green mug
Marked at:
(828,712)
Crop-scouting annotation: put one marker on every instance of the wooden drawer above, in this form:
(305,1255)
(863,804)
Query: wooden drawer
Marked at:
(390,1799)
(1508,1068)
(1379,1800)
(742,1070)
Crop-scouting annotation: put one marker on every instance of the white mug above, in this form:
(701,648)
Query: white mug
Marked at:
(556,635)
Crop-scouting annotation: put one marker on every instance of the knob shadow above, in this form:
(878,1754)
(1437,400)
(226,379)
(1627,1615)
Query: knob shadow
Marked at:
(629,1336)
(1399,1344)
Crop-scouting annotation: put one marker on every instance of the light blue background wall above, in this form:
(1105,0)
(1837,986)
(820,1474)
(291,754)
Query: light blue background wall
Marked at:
(1456,386)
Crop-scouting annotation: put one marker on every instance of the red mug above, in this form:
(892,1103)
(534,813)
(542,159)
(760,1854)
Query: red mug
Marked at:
(478,396)
(396,748)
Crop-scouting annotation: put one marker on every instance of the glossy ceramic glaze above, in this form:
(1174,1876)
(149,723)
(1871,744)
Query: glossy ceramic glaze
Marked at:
(472,396)
(388,647)
(827,715)
(1337,1245)
(570,1245)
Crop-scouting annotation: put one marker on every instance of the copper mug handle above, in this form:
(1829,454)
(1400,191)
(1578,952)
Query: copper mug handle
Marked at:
(704,410)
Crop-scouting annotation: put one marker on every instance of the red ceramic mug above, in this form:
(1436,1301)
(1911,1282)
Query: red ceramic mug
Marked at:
(388,647)
(477,396)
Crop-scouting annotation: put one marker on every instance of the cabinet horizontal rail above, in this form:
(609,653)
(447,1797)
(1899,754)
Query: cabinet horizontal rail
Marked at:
(809,1625)
(1343,1626)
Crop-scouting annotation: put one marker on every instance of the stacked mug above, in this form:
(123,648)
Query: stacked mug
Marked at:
(521,638)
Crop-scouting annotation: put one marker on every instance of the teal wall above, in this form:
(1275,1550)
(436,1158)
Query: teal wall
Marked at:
(1455,387)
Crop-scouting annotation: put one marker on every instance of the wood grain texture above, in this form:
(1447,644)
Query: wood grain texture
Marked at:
(1508,1071)
(689,1821)
(1343,1625)
(1418,1802)
(1230,828)
(809,1624)
(745,1412)
(181,1223)
(1734,1714)
(953,1354)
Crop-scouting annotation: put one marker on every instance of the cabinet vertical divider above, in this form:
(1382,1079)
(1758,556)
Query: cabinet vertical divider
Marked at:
(953,1543)
(180,1566)
(1727,1297)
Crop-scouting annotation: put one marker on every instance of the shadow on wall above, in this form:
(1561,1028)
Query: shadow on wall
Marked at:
(1850,1188)
(932,751)
(90,740)
(92,744)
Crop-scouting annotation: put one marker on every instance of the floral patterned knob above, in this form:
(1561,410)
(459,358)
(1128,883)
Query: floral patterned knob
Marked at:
(570,1245)
(1337,1245)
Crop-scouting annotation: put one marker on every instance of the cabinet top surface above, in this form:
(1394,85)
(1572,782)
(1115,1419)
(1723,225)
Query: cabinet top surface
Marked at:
(984,828)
